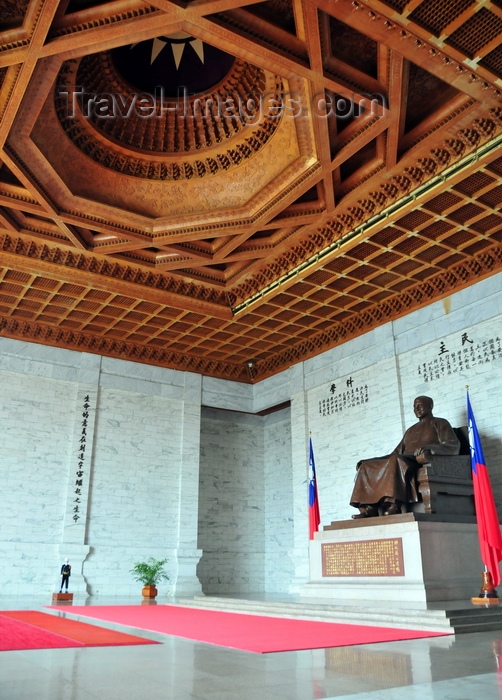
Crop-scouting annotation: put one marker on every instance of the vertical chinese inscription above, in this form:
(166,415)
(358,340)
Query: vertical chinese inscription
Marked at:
(80,472)
(363,558)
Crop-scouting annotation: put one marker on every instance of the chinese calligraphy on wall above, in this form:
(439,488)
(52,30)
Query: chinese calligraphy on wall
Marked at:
(79,475)
(343,397)
(459,356)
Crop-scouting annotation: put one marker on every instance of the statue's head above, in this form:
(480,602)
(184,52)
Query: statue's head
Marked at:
(422,406)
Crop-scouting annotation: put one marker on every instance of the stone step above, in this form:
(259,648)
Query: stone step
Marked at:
(477,619)
(430,620)
(462,620)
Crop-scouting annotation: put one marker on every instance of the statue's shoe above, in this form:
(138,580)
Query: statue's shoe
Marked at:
(392,509)
(366,512)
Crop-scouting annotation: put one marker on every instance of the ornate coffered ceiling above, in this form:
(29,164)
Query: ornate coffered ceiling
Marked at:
(196,185)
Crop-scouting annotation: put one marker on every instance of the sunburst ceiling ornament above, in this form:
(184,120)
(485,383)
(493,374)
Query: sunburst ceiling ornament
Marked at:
(179,63)
(177,42)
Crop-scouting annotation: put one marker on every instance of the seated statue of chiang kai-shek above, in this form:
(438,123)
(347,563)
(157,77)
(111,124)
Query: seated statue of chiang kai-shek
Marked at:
(387,482)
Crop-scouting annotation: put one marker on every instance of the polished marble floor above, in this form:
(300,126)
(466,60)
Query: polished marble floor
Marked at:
(456,667)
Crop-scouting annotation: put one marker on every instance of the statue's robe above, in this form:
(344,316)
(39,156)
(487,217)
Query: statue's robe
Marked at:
(392,477)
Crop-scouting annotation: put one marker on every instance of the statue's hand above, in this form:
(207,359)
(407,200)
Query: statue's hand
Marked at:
(422,456)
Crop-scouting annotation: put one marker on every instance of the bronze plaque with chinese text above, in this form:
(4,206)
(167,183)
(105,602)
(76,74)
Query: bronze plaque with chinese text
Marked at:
(363,558)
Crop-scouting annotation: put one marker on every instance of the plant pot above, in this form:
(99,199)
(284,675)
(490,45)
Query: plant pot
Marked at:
(149,592)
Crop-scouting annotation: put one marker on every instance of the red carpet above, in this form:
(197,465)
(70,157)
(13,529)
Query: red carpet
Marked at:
(254,633)
(28,629)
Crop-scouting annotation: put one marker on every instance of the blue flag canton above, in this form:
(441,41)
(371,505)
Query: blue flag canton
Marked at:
(477,456)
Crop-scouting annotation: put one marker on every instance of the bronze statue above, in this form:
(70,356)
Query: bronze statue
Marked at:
(386,482)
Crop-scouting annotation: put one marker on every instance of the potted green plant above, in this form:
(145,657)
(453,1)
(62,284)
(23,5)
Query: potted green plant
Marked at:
(150,573)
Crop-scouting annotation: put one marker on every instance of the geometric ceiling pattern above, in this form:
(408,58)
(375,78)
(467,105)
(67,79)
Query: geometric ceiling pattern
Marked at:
(206,184)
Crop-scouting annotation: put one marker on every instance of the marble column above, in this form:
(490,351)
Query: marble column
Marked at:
(299,440)
(187,554)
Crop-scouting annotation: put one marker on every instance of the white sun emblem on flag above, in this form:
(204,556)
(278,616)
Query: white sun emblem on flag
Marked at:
(471,437)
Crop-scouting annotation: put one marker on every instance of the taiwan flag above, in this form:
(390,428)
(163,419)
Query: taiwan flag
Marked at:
(490,539)
(314,515)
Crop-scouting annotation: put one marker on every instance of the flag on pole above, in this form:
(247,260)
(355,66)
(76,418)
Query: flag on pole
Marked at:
(490,539)
(314,514)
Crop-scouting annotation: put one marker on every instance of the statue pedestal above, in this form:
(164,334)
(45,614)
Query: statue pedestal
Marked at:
(62,597)
(411,557)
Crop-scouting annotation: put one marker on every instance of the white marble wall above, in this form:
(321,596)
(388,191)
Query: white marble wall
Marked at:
(231,502)
(36,417)
(278,507)
(134,485)
(95,457)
